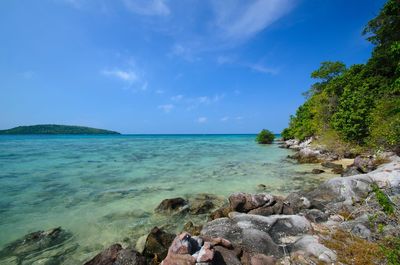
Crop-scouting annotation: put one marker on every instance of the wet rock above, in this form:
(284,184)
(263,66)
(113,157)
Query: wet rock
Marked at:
(261,187)
(220,212)
(331,165)
(350,171)
(338,170)
(35,242)
(172,205)
(157,243)
(192,229)
(106,257)
(204,203)
(317,171)
(116,255)
(364,164)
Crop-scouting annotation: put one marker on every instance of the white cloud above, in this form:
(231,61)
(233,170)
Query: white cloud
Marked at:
(238,118)
(224,119)
(263,69)
(166,108)
(159,91)
(201,119)
(124,75)
(240,20)
(148,7)
(177,98)
(222,59)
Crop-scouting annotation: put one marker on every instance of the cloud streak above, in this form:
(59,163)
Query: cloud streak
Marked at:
(148,7)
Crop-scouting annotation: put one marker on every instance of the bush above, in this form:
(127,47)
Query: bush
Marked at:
(265,137)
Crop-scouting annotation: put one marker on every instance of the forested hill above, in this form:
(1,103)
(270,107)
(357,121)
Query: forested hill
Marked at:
(55,129)
(357,105)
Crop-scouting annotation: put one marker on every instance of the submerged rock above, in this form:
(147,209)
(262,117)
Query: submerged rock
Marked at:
(35,242)
(317,171)
(172,205)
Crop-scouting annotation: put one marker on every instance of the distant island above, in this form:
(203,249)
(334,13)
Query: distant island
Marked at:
(55,129)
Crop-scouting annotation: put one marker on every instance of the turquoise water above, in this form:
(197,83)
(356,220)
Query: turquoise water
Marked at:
(103,189)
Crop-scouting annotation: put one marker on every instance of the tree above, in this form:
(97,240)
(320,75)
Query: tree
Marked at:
(265,137)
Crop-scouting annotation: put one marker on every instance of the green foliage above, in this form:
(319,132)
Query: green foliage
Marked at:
(360,103)
(383,199)
(391,250)
(55,129)
(265,137)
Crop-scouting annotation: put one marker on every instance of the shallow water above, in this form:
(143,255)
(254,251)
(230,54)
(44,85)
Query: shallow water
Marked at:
(103,189)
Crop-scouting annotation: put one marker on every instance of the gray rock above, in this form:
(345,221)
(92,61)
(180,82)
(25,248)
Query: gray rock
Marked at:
(317,171)
(257,234)
(316,216)
(312,247)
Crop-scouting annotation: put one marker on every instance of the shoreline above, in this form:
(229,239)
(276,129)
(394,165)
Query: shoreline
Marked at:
(284,227)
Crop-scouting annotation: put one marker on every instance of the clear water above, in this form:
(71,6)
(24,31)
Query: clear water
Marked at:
(104,188)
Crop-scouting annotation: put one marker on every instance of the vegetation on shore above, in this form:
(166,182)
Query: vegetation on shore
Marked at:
(55,129)
(265,137)
(357,105)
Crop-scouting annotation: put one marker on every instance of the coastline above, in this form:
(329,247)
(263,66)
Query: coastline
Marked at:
(262,228)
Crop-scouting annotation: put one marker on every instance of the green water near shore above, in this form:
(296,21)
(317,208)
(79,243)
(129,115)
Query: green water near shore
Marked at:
(103,189)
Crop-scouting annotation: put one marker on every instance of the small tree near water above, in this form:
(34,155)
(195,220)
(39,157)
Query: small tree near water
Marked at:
(265,137)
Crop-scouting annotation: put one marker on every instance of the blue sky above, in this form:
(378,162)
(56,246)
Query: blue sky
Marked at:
(164,66)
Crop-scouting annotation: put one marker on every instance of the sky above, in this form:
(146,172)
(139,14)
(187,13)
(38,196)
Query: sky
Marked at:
(171,66)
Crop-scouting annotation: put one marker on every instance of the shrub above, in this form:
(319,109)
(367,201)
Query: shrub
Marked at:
(265,137)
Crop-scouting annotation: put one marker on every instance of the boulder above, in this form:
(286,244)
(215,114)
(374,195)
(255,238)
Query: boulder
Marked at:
(316,216)
(257,234)
(188,250)
(204,203)
(364,164)
(311,246)
(220,212)
(172,205)
(106,257)
(297,202)
(245,202)
(192,229)
(157,243)
(116,255)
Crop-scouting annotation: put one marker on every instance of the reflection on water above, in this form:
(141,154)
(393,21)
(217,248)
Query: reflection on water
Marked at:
(103,189)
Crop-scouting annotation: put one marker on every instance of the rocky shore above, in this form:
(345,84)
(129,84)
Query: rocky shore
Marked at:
(349,219)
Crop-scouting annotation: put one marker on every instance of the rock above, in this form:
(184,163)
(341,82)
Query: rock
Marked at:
(261,187)
(172,205)
(338,192)
(35,242)
(350,171)
(219,213)
(129,257)
(192,229)
(317,171)
(204,203)
(331,165)
(115,255)
(316,216)
(361,231)
(338,170)
(297,202)
(244,202)
(261,259)
(312,247)
(106,257)
(257,234)
(157,243)
(364,164)
(188,250)
(224,256)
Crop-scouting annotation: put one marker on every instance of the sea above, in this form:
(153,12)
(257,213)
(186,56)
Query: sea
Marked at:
(103,189)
